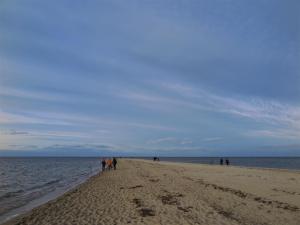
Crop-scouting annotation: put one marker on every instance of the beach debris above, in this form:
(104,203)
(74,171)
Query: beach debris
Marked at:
(185,209)
(243,195)
(154,180)
(137,186)
(138,202)
(170,198)
(146,212)
(285,191)
(228,213)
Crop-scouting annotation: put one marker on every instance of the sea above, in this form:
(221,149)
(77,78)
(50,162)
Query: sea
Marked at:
(28,182)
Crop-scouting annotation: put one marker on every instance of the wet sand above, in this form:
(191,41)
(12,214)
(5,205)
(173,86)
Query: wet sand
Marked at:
(145,192)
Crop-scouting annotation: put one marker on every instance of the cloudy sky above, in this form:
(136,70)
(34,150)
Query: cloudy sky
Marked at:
(166,77)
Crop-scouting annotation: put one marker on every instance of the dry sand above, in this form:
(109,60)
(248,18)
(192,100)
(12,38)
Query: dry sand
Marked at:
(145,192)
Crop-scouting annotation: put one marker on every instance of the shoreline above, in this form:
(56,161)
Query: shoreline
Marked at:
(234,166)
(175,188)
(35,203)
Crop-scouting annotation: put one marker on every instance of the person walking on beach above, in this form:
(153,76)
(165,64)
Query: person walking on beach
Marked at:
(227,162)
(114,163)
(155,159)
(221,161)
(103,162)
(109,164)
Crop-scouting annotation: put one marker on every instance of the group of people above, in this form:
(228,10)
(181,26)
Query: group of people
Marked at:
(108,164)
(226,161)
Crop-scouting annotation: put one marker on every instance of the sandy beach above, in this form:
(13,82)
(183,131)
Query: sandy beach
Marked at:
(146,192)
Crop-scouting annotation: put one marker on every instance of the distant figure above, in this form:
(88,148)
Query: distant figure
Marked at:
(227,162)
(155,159)
(221,161)
(103,162)
(114,163)
(110,164)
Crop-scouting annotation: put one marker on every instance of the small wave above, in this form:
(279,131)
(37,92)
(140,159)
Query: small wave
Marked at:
(53,182)
(11,194)
(43,185)
(4,186)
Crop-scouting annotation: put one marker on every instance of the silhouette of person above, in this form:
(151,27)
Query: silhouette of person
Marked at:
(227,162)
(115,163)
(103,162)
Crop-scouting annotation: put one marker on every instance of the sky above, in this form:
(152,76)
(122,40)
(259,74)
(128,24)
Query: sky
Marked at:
(150,77)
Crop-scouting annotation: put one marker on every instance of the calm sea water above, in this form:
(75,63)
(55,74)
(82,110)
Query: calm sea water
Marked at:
(28,182)
(25,180)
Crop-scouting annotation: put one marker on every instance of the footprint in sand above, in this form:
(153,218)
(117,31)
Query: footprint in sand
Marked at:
(170,198)
(154,180)
(138,202)
(144,212)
